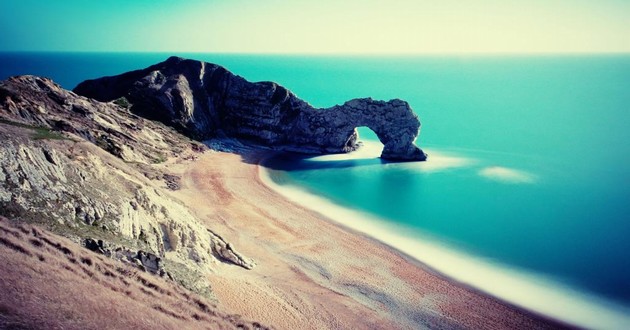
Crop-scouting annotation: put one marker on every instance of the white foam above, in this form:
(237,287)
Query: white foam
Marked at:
(522,288)
(507,175)
(369,150)
(439,161)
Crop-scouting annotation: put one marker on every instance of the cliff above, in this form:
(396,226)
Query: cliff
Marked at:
(204,100)
(92,172)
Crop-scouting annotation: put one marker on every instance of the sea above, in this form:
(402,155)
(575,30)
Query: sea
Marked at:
(526,192)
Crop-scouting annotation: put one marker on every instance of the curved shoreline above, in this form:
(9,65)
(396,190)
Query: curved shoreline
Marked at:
(533,293)
(313,273)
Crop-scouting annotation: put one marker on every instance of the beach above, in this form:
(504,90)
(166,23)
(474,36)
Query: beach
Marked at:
(315,273)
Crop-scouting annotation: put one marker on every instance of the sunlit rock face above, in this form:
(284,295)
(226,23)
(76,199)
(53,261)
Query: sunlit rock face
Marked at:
(204,100)
(89,170)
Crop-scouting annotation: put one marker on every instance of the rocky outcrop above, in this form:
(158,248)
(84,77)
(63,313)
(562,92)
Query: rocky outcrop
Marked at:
(225,251)
(39,102)
(146,261)
(92,194)
(64,177)
(204,100)
(394,123)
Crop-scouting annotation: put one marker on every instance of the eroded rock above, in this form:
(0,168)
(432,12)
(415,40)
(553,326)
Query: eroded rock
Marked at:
(65,178)
(50,109)
(225,251)
(204,100)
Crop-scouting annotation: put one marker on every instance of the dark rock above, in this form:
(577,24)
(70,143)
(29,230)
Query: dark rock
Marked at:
(150,261)
(94,245)
(49,156)
(172,181)
(146,261)
(204,100)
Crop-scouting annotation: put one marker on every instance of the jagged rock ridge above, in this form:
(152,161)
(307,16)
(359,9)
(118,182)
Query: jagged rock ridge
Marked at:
(204,100)
(90,170)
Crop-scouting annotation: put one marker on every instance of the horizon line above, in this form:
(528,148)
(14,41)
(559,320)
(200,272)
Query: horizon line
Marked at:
(324,54)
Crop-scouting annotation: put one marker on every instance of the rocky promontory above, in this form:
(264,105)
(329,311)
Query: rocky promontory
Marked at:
(204,100)
(93,171)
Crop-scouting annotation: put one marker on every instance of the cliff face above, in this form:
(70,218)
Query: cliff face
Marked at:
(204,100)
(91,171)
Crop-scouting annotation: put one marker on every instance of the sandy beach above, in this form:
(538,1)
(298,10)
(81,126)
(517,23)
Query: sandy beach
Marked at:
(313,273)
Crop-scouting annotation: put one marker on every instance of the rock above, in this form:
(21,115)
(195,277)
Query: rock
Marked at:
(224,250)
(94,245)
(172,181)
(84,179)
(204,100)
(395,124)
(150,261)
(146,261)
(115,130)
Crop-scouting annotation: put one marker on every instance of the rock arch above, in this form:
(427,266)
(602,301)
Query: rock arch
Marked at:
(393,122)
(204,100)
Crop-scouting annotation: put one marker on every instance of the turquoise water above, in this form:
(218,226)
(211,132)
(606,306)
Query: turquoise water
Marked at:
(549,133)
(535,150)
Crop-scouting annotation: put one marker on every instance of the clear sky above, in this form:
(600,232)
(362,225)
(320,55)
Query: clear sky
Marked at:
(320,26)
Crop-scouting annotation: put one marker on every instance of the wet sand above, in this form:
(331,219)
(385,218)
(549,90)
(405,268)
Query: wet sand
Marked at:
(313,273)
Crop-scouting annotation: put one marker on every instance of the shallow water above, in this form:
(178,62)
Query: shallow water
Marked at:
(541,181)
(534,291)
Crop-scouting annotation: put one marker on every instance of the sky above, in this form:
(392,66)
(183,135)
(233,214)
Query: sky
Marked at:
(320,26)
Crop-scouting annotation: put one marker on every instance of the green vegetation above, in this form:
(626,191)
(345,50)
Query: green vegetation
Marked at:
(122,102)
(190,278)
(39,132)
(159,159)
(42,133)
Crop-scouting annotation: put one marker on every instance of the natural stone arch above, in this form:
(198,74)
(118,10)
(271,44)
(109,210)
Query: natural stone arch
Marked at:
(393,122)
(204,100)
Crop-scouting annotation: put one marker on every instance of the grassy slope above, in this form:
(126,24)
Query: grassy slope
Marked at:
(48,282)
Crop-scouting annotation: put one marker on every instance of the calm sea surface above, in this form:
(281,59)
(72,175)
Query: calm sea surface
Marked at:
(531,154)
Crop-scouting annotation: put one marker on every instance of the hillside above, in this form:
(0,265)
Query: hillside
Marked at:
(93,173)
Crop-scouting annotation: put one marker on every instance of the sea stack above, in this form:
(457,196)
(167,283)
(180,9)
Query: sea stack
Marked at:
(204,100)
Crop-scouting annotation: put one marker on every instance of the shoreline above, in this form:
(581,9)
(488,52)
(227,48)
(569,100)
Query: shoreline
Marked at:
(521,289)
(313,273)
